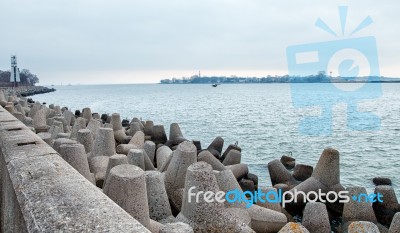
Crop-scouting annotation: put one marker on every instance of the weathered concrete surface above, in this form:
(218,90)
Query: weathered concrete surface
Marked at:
(50,195)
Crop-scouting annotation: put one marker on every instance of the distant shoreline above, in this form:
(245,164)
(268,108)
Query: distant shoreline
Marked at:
(320,77)
(27,90)
(209,83)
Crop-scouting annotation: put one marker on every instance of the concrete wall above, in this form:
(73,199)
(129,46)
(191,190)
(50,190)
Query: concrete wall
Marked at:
(40,192)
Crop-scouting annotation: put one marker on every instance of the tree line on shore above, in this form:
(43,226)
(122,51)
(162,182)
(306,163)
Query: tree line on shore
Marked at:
(27,78)
(320,77)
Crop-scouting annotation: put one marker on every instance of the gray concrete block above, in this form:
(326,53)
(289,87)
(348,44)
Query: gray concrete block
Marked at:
(358,211)
(201,215)
(133,128)
(227,182)
(159,207)
(279,174)
(395,225)
(178,227)
(239,170)
(136,157)
(80,123)
(138,140)
(315,218)
(385,211)
(75,155)
(270,205)
(327,170)
(114,161)
(362,226)
(293,227)
(184,156)
(126,186)
(207,157)
(302,172)
(94,126)
(87,114)
(159,136)
(85,138)
(233,157)
(266,220)
(104,144)
(125,148)
(150,148)
(162,155)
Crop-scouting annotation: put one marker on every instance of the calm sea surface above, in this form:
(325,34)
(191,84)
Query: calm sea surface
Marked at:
(260,117)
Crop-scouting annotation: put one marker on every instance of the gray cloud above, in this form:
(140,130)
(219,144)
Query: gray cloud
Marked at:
(79,40)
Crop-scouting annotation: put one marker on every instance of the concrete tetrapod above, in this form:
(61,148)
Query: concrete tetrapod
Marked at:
(60,141)
(201,215)
(85,138)
(293,227)
(133,128)
(385,210)
(175,135)
(104,144)
(80,123)
(266,220)
(162,155)
(230,147)
(75,155)
(94,126)
(271,195)
(138,140)
(217,144)
(227,182)
(239,170)
(395,225)
(150,148)
(184,156)
(178,227)
(98,165)
(159,136)
(159,207)
(126,186)
(39,121)
(114,161)
(55,130)
(279,174)
(148,128)
(357,211)
(362,226)
(315,218)
(136,157)
(207,157)
(87,114)
(326,176)
(233,157)
(119,132)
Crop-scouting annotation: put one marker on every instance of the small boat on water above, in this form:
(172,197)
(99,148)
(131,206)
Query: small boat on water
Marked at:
(215,85)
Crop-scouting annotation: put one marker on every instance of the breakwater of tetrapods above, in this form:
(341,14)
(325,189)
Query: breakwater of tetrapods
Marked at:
(64,170)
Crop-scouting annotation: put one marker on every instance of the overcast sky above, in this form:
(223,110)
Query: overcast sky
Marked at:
(98,41)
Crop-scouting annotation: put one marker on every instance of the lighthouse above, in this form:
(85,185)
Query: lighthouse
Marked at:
(14,78)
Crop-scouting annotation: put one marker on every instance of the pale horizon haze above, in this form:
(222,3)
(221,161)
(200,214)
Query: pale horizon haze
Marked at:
(104,42)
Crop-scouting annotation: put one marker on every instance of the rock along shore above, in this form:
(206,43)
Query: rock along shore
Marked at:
(26,90)
(151,176)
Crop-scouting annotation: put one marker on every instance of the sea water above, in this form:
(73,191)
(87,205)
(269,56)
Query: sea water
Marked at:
(260,117)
